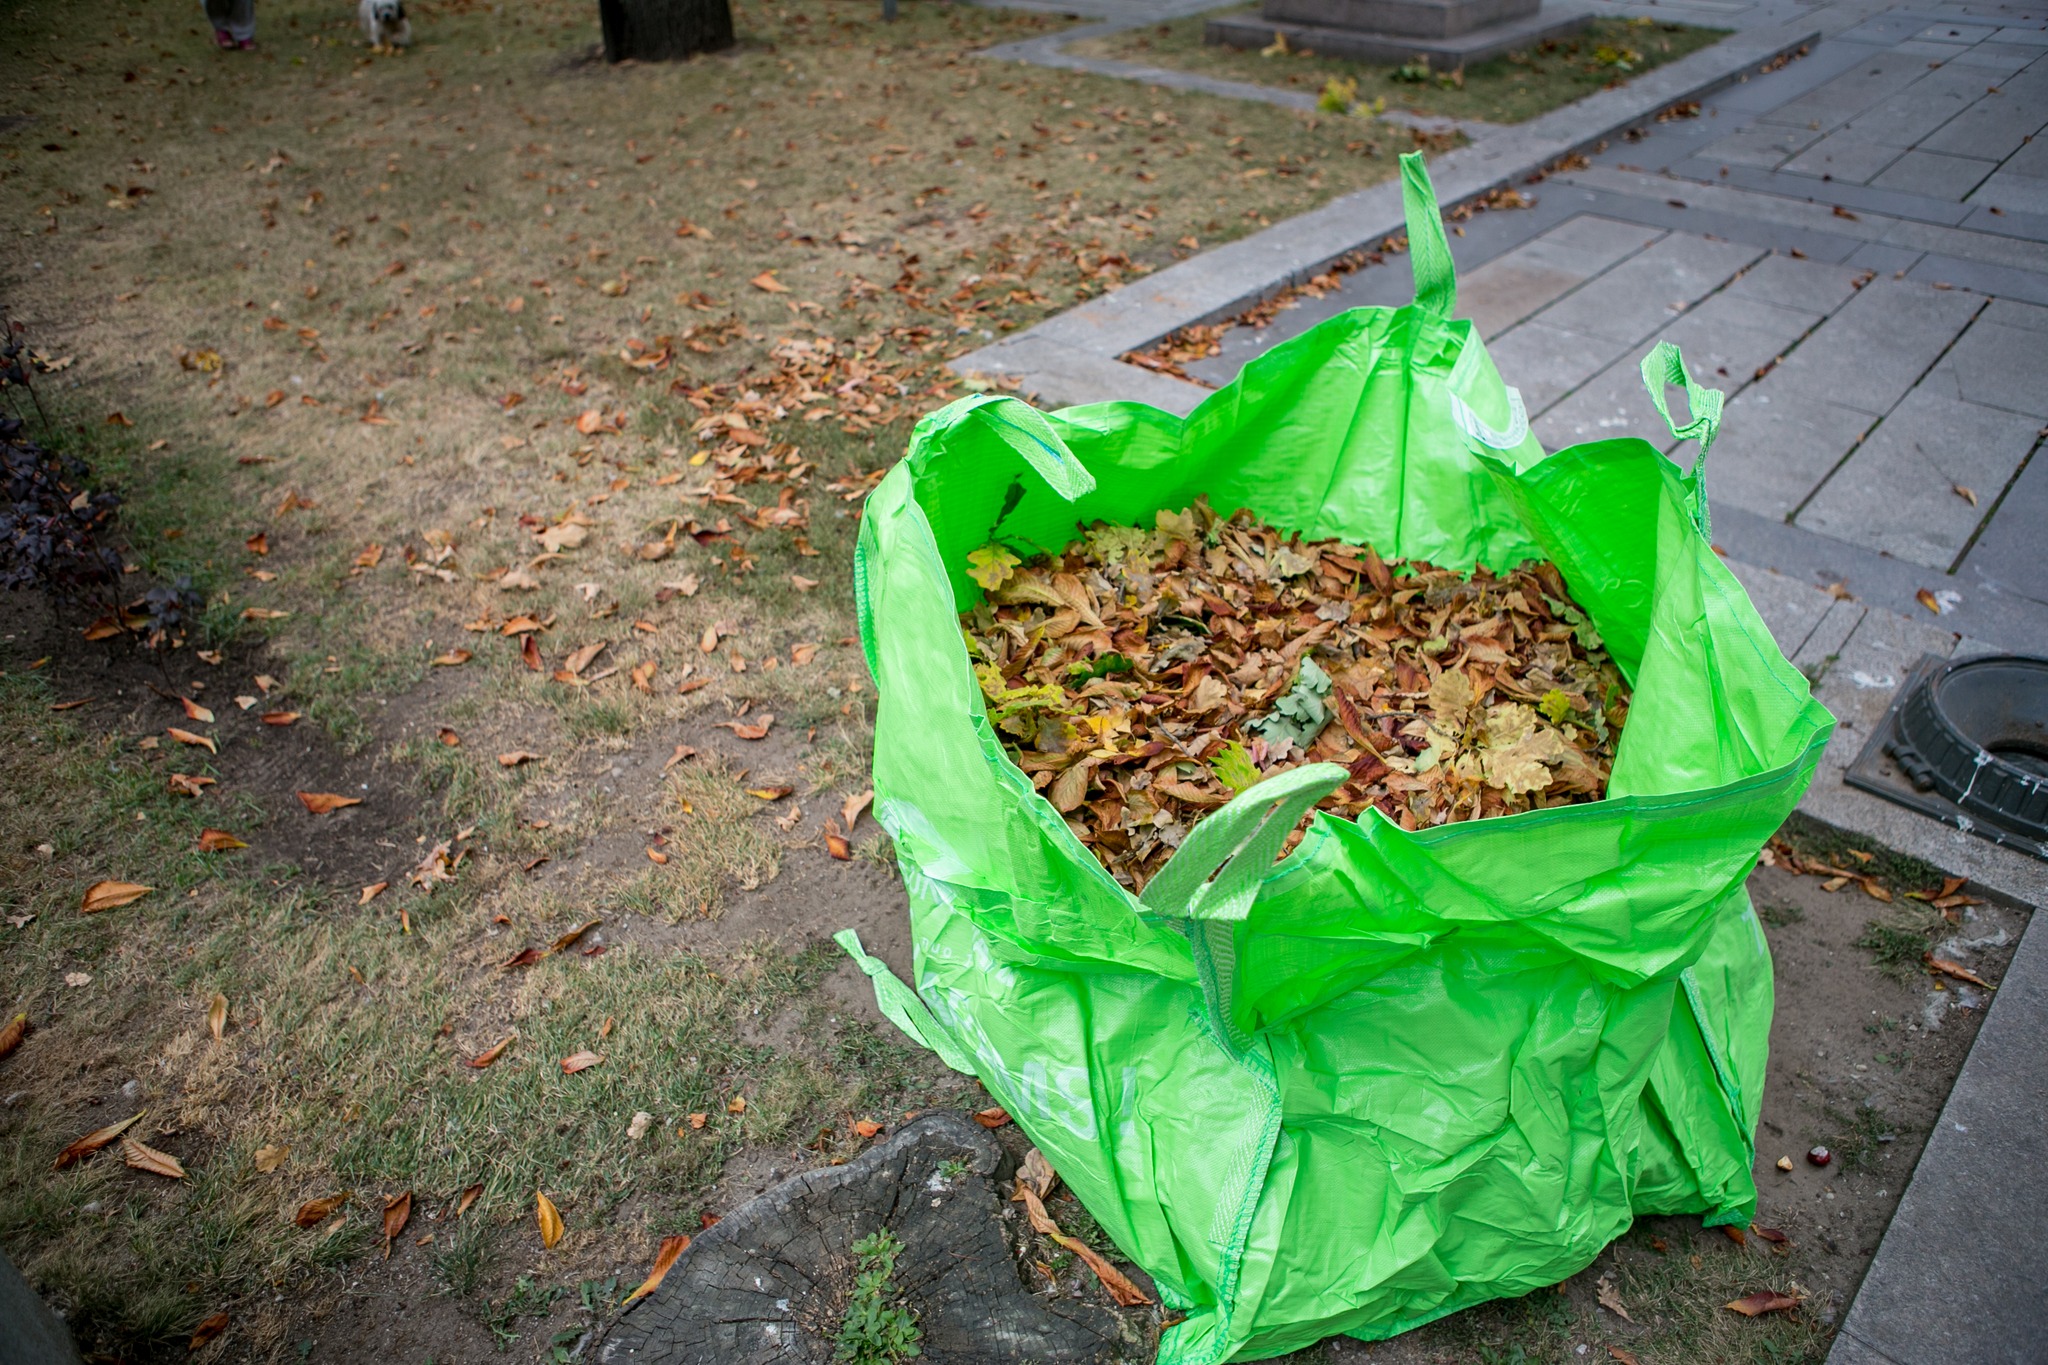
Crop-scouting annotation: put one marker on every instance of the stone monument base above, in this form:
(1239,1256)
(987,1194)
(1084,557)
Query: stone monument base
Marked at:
(1444,51)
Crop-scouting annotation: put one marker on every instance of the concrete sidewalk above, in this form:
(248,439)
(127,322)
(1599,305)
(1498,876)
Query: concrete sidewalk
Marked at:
(1854,247)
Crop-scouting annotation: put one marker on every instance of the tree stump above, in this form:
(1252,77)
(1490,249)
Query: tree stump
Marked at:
(663,30)
(769,1282)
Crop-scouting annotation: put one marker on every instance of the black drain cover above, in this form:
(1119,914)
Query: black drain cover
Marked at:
(1967,743)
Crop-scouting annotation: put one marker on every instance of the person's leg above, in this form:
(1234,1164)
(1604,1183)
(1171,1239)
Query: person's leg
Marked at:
(236,18)
(218,13)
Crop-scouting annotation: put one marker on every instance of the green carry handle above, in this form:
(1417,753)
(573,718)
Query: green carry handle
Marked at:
(1208,886)
(903,1007)
(1429,251)
(1664,365)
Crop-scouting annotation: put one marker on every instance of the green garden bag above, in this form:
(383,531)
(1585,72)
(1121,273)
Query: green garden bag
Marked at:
(1394,1074)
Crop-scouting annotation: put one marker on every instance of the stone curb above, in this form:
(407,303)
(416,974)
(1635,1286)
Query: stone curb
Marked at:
(1071,358)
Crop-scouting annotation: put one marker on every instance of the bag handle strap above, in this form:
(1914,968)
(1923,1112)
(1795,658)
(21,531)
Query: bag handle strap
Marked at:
(903,1007)
(1429,251)
(1025,430)
(1663,366)
(1208,886)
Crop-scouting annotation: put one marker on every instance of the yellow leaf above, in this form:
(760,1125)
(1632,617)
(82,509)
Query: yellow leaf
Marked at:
(112,895)
(550,1220)
(991,566)
(217,1016)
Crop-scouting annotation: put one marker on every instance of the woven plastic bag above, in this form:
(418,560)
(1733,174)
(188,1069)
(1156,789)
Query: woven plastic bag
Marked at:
(1393,1074)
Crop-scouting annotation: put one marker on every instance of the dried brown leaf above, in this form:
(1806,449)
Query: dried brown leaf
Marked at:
(322,803)
(112,895)
(550,1220)
(146,1158)
(95,1140)
(672,1248)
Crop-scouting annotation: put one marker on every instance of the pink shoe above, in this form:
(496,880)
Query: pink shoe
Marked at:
(224,40)
(247,45)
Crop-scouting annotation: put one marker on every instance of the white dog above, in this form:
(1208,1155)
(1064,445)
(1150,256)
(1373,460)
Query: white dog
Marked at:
(384,23)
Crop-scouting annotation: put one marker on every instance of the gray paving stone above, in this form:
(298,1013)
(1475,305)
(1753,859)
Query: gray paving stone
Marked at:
(1849,94)
(2011,552)
(1515,285)
(1999,363)
(1724,340)
(1873,350)
(1925,105)
(1994,126)
(1787,282)
(1766,145)
(2032,37)
(1547,362)
(1956,33)
(1896,495)
(1648,290)
(1883,259)
(2006,190)
(1771,453)
(1936,174)
(1997,59)
(1853,155)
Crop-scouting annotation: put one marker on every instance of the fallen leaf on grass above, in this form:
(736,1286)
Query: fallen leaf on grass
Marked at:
(671,1249)
(314,1212)
(397,1212)
(207,1331)
(643,676)
(217,1016)
(1956,970)
(454,658)
(770,793)
(697,1120)
(579,1061)
(322,803)
(95,1140)
(194,711)
(280,717)
(111,896)
(993,1117)
(525,957)
(186,785)
(568,940)
(76,979)
(1764,1301)
(187,737)
(469,1196)
(515,758)
(836,844)
(855,804)
(529,652)
(218,841)
(146,1158)
(736,1105)
(580,660)
(11,1036)
(1625,1357)
(371,892)
(682,752)
(801,583)
(637,1129)
(258,544)
(657,857)
(1772,1235)
(802,654)
(767,283)
(263,614)
(448,737)
(1610,1298)
(492,1053)
(269,1158)
(758,730)
(867,1128)
(549,1218)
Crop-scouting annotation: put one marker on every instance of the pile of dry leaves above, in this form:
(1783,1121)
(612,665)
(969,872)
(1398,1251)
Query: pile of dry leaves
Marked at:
(1143,677)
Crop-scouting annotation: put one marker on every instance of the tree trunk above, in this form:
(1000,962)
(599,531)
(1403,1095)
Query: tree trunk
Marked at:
(664,30)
